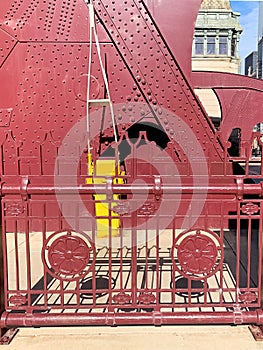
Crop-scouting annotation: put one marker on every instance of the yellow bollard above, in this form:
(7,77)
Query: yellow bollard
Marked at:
(105,223)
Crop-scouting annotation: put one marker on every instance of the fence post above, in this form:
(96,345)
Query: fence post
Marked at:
(2,331)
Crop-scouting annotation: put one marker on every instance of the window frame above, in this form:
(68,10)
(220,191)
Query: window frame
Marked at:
(211,45)
(201,44)
(223,44)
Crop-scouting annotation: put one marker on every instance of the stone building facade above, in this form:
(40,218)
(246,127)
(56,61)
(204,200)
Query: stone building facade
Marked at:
(215,45)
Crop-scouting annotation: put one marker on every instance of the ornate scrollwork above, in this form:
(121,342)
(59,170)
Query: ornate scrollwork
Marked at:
(15,209)
(68,255)
(248,297)
(122,298)
(197,254)
(250,208)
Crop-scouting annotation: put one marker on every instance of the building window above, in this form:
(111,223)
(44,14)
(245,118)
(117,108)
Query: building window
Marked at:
(223,45)
(211,45)
(233,47)
(199,45)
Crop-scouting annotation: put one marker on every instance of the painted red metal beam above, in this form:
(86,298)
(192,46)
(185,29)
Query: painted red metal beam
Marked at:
(185,13)
(240,99)
(166,86)
(112,319)
(234,189)
(219,80)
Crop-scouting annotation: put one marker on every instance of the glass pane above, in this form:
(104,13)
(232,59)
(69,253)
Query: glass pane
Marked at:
(223,45)
(199,45)
(233,47)
(211,45)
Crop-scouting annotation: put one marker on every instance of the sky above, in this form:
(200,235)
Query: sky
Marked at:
(249,21)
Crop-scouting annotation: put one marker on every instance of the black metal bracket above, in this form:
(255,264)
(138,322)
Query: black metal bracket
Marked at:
(257,332)
(7,335)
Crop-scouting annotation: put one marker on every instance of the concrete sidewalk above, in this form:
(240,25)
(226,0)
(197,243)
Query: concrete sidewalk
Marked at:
(136,337)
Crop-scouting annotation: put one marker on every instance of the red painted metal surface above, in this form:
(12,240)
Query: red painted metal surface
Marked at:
(188,247)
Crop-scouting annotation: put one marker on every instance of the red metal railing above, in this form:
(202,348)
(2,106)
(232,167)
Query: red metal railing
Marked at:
(182,237)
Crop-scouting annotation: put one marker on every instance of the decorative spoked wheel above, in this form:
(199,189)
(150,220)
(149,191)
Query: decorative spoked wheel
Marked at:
(68,255)
(197,254)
